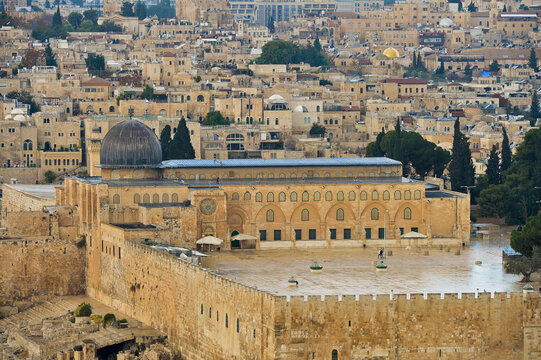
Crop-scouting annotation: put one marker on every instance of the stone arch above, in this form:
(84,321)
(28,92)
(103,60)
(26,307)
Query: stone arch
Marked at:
(146,199)
(296,215)
(165,198)
(415,214)
(366,213)
(174,198)
(116,199)
(279,216)
(136,199)
(349,215)
(155,198)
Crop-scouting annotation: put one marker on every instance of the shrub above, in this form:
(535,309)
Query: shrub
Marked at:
(98,319)
(84,309)
(49,176)
(88,341)
(108,319)
(72,319)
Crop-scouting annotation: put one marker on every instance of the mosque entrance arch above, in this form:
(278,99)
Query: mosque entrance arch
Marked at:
(235,244)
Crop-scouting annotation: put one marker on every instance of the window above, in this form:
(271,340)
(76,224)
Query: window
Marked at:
(317,196)
(417,195)
(238,325)
(146,198)
(270,197)
(333,234)
(407,213)
(407,195)
(136,199)
(262,235)
(247,196)
(210,312)
(415,229)
(328,196)
(363,195)
(340,196)
(305,196)
(386,195)
(397,195)
(368,233)
(375,195)
(305,215)
(351,195)
(116,199)
(334,355)
(282,197)
(226,321)
(258,197)
(340,215)
(277,234)
(270,216)
(293,196)
(347,234)
(312,234)
(155,198)
(298,234)
(381,233)
(374,214)
(202,311)
(174,198)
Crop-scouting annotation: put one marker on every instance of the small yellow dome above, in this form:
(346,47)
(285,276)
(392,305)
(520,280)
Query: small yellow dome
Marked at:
(391,53)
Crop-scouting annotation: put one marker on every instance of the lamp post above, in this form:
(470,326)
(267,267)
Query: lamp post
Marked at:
(381,266)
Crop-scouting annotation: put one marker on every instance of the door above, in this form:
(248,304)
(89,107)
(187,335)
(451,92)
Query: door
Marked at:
(235,244)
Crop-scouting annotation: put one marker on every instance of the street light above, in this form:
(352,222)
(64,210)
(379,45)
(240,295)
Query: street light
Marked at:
(381,266)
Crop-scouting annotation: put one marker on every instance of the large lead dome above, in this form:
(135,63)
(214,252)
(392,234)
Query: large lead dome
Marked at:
(130,144)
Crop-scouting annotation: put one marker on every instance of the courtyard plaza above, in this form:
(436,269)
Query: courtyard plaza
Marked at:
(352,271)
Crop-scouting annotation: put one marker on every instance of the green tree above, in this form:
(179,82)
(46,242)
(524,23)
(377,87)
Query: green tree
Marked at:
(148,92)
(532,62)
(57,18)
(493,167)
(468,73)
(286,52)
(95,63)
(414,60)
(529,237)
(84,309)
(49,56)
(494,66)
(49,176)
(494,201)
(318,130)
(91,15)
(525,265)
(461,169)
(181,145)
(165,141)
(441,70)
(26,98)
(397,145)
(127,9)
(373,149)
(140,10)
(163,10)
(271,24)
(535,114)
(472,7)
(506,152)
(504,8)
(317,44)
(75,19)
(47,4)
(215,118)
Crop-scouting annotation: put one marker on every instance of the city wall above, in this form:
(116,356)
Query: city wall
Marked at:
(192,304)
(38,268)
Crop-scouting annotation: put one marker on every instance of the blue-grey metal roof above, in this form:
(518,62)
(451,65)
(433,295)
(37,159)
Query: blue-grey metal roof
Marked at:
(373,161)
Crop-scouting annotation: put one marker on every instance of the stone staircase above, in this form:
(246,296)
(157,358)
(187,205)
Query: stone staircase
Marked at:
(35,315)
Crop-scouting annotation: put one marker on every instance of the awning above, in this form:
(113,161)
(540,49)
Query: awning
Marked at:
(414,235)
(209,240)
(242,237)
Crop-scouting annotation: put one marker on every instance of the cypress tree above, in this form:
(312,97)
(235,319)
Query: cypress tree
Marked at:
(441,69)
(506,152)
(57,18)
(534,109)
(493,167)
(414,61)
(532,62)
(165,141)
(181,145)
(461,169)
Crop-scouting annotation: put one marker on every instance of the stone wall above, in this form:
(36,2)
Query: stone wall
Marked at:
(39,268)
(191,305)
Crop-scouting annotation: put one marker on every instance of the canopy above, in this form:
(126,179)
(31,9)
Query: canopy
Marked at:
(414,235)
(243,237)
(209,240)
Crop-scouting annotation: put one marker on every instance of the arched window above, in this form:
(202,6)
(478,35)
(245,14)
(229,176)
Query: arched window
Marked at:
(340,215)
(235,196)
(270,215)
(327,175)
(407,213)
(386,195)
(374,214)
(417,195)
(328,196)
(234,137)
(375,195)
(364,196)
(136,199)
(247,196)
(305,215)
(163,112)
(334,355)
(258,197)
(282,176)
(27,145)
(293,196)
(397,195)
(111,109)
(317,196)
(200,98)
(282,197)
(305,196)
(146,198)
(155,198)
(165,198)
(407,195)
(116,199)
(351,195)
(226,321)
(270,197)
(238,325)
(174,198)
(293,176)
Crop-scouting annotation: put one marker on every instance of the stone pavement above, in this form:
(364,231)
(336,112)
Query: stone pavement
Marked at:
(352,271)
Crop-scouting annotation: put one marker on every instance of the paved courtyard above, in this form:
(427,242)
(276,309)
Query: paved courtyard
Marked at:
(351,271)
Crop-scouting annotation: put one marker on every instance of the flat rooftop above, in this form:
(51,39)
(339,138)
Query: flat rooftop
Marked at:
(42,191)
(350,271)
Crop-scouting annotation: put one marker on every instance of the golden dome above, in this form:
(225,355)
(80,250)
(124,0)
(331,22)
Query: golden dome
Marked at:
(391,53)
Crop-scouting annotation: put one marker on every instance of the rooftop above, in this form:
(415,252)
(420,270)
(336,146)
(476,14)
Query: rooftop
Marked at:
(42,191)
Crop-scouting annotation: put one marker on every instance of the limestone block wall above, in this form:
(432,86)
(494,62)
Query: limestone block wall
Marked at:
(40,267)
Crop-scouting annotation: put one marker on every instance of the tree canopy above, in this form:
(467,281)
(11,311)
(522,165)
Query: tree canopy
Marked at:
(461,168)
(317,130)
(165,141)
(181,145)
(127,9)
(286,52)
(26,98)
(532,61)
(95,64)
(214,118)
